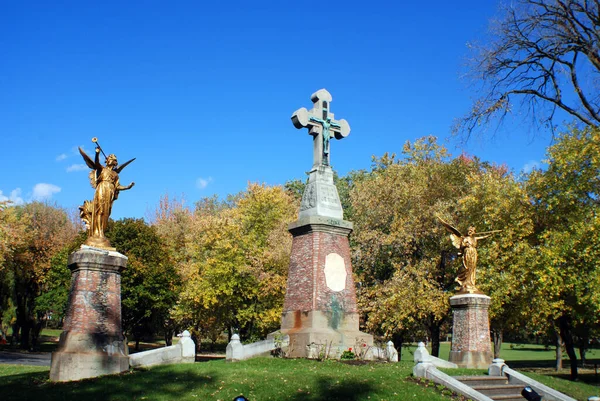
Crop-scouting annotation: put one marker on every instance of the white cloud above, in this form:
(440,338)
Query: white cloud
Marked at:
(202,183)
(530,166)
(61,157)
(14,197)
(76,167)
(43,191)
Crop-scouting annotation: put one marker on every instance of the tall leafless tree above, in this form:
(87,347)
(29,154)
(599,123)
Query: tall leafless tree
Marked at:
(544,57)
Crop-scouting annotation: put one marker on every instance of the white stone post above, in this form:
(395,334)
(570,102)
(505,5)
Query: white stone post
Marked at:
(496,367)
(188,347)
(392,353)
(235,349)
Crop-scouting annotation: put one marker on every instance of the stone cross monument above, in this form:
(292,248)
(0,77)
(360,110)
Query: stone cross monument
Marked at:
(321,126)
(321,197)
(320,312)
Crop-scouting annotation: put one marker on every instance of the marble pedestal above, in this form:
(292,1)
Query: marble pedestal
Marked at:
(92,342)
(320,314)
(471,347)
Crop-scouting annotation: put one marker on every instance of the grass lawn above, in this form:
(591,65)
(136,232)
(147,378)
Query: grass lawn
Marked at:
(258,379)
(280,379)
(517,355)
(559,381)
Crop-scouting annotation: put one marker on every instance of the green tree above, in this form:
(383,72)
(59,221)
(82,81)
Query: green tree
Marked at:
(567,200)
(52,301)
(149,283)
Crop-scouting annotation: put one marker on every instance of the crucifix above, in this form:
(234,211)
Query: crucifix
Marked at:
(322,126)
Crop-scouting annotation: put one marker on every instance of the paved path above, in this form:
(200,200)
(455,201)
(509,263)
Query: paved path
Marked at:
(25,358)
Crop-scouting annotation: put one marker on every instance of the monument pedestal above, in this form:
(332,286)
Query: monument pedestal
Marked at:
(471,346)
(320,313)
(92,342)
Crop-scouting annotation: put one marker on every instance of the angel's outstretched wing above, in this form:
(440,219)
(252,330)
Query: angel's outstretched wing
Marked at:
(455,235)
(94,165)
(122,166)
(90,163)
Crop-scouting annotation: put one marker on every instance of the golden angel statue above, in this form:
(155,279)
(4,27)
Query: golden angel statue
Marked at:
(105,180)
(467,246)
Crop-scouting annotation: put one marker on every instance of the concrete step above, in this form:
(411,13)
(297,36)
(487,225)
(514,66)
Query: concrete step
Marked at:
(501,389)
(482,380)
(507,398)
(497,388)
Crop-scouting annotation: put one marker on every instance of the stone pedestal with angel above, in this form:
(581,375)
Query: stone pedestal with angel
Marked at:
(92,342)
(471,346)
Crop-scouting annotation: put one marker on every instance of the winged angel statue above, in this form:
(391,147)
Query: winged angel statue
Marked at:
(467,246)
(105,180)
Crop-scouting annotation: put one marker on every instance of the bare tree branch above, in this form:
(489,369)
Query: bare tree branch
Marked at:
(545,53)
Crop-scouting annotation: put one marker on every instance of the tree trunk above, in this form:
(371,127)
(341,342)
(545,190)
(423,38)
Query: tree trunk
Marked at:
(497,337)
(434,332)
(25,332)
(35,334)
(398,339)
(137,344)
(582,349)
(16,329)
(169,331)
(558,352)
(565,332)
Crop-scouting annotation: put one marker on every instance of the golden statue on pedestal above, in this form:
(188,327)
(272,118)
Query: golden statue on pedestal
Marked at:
(105,180)
(467,246)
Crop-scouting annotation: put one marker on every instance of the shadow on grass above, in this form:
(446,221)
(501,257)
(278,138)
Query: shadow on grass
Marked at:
(547,363)
(587,378)
(157,383)
(13,385)
(531,349)
(332,389)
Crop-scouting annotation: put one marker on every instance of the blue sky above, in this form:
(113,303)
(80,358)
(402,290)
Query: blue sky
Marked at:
(201,93)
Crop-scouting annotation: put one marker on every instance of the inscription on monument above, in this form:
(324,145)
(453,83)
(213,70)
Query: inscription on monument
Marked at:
(335,272)
(329,196)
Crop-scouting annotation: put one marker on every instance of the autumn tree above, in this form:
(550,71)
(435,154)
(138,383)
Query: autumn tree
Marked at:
(398,246)
(238,251)
(403,258)
(544,56)
(567,200)
(497,200)
(172,221)
(33,234)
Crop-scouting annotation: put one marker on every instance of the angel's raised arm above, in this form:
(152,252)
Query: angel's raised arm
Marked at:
(488,234)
